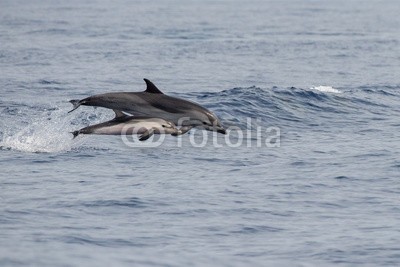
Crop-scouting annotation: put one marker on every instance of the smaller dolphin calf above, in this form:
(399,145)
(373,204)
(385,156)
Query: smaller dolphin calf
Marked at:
(123,124)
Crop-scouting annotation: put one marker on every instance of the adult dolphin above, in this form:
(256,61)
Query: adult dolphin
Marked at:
(123,124)
(152,102)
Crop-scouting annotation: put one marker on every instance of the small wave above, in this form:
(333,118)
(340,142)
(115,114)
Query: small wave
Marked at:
(326,89)
(129,203)
(103,242)
(275,106)
(46,82)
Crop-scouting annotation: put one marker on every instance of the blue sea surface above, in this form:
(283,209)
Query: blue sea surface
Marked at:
(307,176)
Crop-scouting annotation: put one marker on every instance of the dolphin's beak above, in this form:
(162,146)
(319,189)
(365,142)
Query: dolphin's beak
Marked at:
(215,128)
(221,130)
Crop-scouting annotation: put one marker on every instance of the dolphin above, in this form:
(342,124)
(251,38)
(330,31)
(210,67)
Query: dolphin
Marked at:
(124,124)
(152,102)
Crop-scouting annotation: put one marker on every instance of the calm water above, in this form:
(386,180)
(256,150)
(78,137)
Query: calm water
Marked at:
(326,74)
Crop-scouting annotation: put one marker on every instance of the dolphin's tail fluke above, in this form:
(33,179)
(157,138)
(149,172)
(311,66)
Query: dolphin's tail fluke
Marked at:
(76,103)
(75,134)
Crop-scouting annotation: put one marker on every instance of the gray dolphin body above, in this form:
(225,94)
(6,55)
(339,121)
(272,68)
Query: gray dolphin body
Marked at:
(152,102)
(127,125)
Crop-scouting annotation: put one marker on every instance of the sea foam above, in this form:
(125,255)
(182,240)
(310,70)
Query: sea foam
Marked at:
(326,89)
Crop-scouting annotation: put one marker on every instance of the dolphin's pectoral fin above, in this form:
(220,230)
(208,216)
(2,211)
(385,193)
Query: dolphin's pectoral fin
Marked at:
(151,88)
(146,135)
(119,114)
(76,103)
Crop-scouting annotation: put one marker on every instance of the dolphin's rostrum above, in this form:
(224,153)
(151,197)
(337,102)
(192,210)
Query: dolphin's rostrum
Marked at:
(152,102)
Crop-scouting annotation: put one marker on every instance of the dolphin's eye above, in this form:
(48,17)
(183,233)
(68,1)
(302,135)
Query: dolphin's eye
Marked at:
(205,123)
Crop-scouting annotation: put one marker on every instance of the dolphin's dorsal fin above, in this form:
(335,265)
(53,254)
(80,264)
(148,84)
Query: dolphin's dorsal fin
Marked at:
(119,114)
(151,88)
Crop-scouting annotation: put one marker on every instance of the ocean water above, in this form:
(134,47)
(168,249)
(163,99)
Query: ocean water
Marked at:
(308,175)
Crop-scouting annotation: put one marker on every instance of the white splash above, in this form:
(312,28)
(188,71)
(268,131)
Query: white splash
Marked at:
(48,132)
(326,89)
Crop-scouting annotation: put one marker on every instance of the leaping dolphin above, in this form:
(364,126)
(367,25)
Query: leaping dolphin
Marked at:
(127,125)
(152,102)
